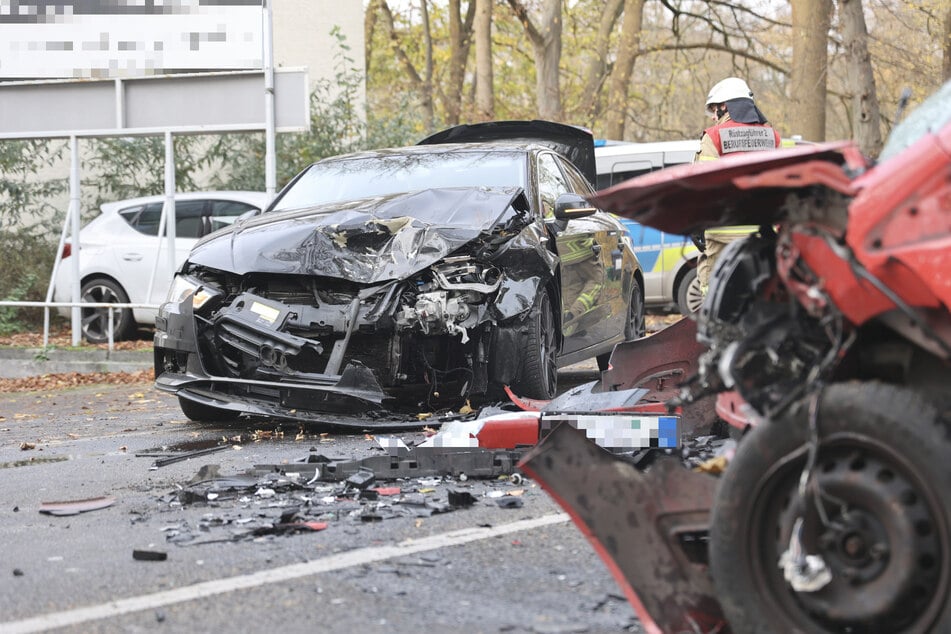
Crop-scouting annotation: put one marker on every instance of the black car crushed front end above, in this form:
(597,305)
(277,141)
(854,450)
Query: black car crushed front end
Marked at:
(357,308)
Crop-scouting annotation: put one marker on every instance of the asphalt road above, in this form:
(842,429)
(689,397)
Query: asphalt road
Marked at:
(378,566)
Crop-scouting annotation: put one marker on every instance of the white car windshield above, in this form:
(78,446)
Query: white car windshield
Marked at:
(350,178)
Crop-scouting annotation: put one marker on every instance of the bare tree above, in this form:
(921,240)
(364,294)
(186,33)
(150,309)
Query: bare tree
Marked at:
(946,61)
(421,85)
(460,38)
(427,63)
(484,80)
(596,66)
(811,20)
(866,121)
(545,36)
(620,81)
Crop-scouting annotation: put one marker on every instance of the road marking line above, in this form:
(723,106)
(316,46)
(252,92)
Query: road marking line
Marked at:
(276,575)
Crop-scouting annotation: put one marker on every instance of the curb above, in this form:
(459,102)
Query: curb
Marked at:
(18,363)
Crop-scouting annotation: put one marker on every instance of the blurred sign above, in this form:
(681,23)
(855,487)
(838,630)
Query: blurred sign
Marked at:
(127,38)
(199,103)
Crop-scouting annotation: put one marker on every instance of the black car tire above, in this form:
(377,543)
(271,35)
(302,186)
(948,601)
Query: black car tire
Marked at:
(199,412)
(635,326)
(95,321)
(539,377)
(689,293)
(884,458)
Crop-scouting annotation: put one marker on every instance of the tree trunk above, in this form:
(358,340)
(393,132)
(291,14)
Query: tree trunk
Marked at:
(866,121)
(429,121)
(596,66)
(460,37)
(946,63)
(546,45)
(484,80)
(424,88)
(369,28)
(811,20)
(616,112)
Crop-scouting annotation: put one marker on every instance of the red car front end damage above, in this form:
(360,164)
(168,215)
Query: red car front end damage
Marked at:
(826,335)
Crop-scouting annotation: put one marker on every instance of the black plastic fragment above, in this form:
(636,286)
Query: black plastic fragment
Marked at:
(509,502)
(461,498)
(149,555)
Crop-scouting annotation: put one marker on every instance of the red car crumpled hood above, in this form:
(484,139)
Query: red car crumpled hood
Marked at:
(745,189)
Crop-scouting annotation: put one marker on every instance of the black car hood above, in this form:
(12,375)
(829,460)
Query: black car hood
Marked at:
(574,143)
(367,241)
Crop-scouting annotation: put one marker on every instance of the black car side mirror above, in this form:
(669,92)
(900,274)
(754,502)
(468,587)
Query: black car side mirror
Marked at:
(570,206)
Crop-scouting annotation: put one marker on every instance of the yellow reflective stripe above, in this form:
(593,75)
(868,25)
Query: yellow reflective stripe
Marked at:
(735,230)
(672,255)
(588,300)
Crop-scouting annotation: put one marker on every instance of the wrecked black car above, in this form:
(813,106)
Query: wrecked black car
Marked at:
(405,280)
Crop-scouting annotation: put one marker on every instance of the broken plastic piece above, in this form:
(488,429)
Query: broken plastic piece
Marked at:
(75,507)
(461,498)
(149,555)
(361,479)
(509,502)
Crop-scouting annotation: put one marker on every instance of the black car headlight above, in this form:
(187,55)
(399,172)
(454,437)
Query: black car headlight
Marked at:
(184,285)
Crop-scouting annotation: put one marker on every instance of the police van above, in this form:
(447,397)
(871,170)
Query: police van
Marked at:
(669,261)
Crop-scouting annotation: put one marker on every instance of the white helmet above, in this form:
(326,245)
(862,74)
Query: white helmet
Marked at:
(729,88)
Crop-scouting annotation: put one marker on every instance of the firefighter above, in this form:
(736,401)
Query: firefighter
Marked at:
(581,279)
(739,126)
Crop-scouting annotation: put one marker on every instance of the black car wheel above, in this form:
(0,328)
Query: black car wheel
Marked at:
(200,412)
(539,377)
(95,321)
(689,293)
(881,481)
(635,327)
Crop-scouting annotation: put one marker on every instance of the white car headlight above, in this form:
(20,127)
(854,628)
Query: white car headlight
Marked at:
(183,286)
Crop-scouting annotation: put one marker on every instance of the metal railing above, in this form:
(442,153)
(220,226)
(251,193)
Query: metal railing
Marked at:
(77,336)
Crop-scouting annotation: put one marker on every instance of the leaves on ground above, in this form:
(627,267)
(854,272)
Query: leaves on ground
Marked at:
(74,379)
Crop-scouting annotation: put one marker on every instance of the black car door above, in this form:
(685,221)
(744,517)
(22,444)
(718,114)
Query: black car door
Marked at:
(582,261)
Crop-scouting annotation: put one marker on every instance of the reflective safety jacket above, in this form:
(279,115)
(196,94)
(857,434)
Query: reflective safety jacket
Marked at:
(728,137)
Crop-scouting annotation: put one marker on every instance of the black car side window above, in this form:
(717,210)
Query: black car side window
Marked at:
(579,184)
(551,183)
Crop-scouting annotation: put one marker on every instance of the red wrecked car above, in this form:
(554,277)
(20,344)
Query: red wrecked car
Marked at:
(831,324)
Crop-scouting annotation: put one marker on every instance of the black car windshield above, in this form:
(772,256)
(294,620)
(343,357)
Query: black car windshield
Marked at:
(928,118)
(342,179)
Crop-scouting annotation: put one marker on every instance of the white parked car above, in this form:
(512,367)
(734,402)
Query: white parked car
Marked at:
(120,248)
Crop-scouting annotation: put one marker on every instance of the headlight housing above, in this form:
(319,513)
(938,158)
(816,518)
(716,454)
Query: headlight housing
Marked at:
(183,286)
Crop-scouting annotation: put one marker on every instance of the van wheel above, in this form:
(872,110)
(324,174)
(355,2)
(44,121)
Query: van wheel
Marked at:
(689,293)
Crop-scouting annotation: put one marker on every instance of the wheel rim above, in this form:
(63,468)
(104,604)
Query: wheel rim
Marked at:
(694,295)
(887,553)
(548,348)
(95,321)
